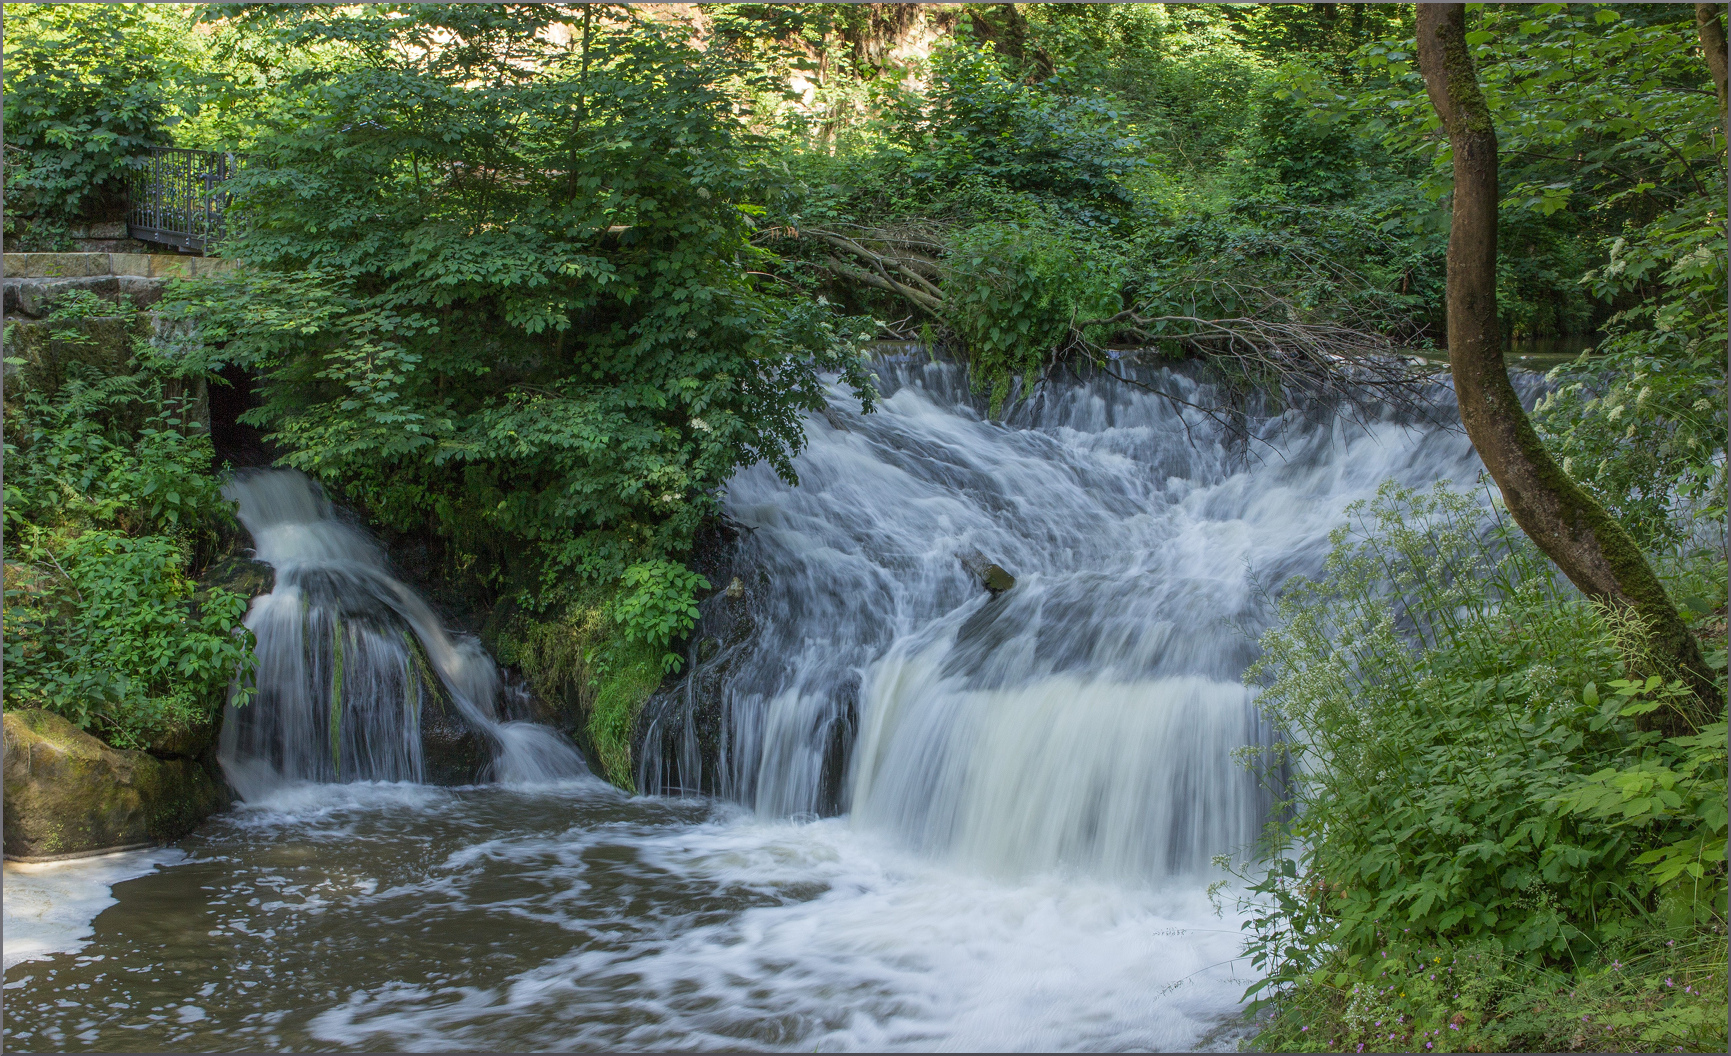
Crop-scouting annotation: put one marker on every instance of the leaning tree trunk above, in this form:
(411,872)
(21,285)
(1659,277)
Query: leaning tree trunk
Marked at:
(1587,543)
(1712,45)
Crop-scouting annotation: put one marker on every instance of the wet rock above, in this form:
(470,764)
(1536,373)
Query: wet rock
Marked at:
(69,794)
(453,752)
(991,576)
(238,575)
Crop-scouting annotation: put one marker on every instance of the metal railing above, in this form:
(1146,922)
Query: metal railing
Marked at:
(177,197)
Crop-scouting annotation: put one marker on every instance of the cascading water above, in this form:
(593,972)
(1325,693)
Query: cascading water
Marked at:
(1024,790)
(351,662)
(1085,719)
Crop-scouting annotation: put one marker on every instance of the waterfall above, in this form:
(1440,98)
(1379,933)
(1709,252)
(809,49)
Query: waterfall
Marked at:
(1085,718)
(353,665)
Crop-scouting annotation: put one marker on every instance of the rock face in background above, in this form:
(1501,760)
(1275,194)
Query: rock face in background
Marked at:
(67,793)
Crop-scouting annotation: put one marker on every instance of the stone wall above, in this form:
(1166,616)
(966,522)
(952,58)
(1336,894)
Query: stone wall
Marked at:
(133,282)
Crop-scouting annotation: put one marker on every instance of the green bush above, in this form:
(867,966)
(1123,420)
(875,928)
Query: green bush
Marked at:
(87,93)
(1465,776)
(109,503)
(1058,139)
(1014,293)
(655,606)
(1643,424)
(101,629)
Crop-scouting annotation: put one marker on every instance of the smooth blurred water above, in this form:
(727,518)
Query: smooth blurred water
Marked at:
(370,916)
(350,659)
(1026,791)
(1084,719)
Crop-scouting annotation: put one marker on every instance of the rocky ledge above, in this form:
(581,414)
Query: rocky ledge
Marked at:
(68,794)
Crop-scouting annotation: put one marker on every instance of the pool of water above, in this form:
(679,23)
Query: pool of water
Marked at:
(571,917)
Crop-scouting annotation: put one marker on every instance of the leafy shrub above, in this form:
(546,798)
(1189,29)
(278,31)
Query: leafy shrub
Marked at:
(1056,139)
(1460,783)
(1651,994)
(101,630)
(1313,153)
(85,95)
(109,499)
(1014,292)
(656,604)
(1643,424)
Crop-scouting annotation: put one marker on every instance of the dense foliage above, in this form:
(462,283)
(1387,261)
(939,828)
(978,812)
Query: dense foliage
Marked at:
(1470,790)
(110,504)
(500,286)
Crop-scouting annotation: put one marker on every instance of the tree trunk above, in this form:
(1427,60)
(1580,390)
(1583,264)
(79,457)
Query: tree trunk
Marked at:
(1712,45)
(1586,542)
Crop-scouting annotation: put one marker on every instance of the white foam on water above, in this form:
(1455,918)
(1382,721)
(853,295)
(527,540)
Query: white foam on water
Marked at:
(51,907)
(873,949)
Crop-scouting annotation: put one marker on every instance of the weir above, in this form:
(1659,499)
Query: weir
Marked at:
(353,665)
(1083,719)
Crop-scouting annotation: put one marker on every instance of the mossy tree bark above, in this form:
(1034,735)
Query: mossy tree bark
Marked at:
(1586,542)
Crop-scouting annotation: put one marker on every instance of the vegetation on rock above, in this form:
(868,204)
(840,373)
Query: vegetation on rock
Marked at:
(111,510)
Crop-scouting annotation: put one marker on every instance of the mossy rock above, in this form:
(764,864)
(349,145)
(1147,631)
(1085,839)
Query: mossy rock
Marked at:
(48,349)
(68,793)
(597,705)
(238,575)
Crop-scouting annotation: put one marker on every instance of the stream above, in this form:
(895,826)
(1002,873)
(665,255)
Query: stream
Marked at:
(933,818)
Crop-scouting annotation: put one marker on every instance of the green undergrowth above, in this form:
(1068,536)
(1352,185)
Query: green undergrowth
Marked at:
(586,662)
(1662,992)
(1478,849)
(112,511)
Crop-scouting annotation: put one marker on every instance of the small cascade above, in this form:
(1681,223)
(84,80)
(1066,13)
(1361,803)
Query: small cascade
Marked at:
(356,675)
(1084,718)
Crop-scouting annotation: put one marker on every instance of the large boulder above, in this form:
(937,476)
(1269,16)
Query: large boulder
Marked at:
(68,793)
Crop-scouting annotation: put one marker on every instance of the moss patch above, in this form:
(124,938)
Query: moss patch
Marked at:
(68,793)
(582,664)
(632,674)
